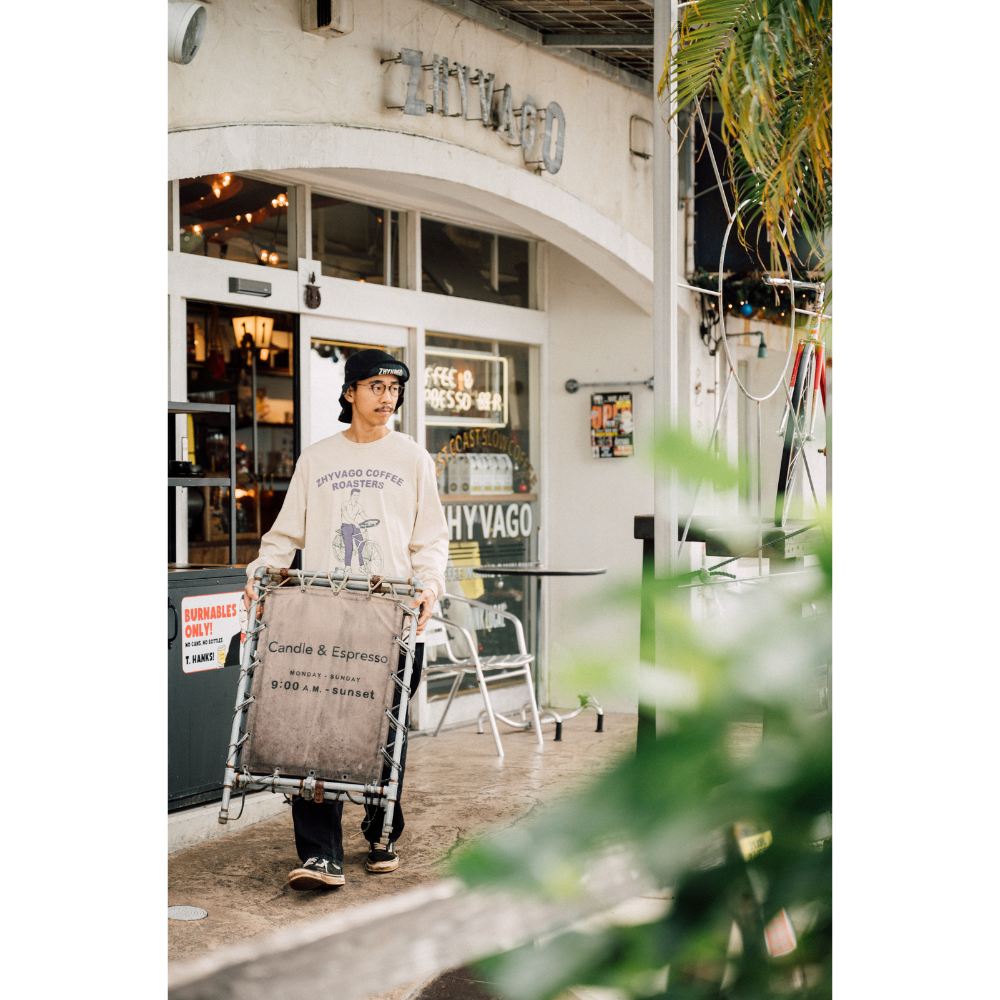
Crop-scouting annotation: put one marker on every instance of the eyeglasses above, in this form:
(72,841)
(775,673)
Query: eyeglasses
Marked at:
(379,387)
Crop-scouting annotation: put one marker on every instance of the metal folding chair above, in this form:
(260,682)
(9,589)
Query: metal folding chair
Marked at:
(321,703)
(510,666)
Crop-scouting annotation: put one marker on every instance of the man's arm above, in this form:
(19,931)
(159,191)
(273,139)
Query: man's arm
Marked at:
(428,542)
(288,533)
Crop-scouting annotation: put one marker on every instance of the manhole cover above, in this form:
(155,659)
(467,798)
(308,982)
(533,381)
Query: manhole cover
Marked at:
(186,913)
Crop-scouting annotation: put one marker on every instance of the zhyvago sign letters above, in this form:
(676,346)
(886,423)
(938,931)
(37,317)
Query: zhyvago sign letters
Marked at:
(502,119)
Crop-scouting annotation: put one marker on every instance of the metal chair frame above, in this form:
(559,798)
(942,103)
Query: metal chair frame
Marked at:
(515,665)
(385,795)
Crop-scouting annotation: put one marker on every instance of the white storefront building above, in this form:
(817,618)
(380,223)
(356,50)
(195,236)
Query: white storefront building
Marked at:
(300,161)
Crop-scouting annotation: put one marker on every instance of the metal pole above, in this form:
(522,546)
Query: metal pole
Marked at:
(232,485)
(760,509)
(253,414)
(664,294)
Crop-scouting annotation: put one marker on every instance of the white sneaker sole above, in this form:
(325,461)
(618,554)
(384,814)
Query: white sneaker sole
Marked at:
(301,878)
(382,866)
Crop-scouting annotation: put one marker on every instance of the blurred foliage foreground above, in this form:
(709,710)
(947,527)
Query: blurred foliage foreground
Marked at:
(738,831)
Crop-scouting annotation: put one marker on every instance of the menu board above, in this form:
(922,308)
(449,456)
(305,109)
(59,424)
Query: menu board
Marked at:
(611,425)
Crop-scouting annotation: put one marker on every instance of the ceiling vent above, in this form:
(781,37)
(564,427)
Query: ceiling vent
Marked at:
(328,17)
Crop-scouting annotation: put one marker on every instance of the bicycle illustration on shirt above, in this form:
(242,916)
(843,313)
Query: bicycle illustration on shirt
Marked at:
(353,537)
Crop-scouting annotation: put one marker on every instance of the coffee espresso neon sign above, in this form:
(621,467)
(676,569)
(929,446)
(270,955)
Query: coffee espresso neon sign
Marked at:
(516,126)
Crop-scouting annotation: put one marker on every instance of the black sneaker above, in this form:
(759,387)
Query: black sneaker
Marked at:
(316,874)
(380,861)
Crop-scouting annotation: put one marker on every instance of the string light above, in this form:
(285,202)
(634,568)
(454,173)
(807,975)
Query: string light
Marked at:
(216,190)
(263,255)
(248,217)
(225,180)
(238,218)
(273,258)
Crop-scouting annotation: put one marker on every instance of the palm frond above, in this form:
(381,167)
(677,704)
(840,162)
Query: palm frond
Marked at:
(768,64)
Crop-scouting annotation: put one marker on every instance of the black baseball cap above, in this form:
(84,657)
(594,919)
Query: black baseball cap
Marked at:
(368,364)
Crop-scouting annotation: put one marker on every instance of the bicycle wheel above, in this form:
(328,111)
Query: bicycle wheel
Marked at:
(370,557)
(338,547)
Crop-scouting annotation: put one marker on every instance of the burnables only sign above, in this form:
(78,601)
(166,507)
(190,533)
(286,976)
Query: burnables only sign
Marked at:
(493,109)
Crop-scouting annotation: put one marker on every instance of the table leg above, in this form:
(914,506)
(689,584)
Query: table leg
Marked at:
(538,639)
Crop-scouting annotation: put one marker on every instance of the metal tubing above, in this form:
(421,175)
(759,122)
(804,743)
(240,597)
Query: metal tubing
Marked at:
(797,432)
(760,508)
(295,785)
(459,674)
(232,485)
(725,340)
(718,178)
(354,581)
(242,693)
(695,288)
(794,410)
(392,793)
(522,649)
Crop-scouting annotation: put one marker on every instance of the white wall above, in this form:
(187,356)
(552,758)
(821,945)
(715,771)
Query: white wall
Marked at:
(256,65)
(595,334)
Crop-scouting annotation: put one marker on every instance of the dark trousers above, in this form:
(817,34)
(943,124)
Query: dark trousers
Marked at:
(318,832)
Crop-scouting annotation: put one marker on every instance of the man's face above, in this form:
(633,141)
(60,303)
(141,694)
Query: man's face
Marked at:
(371,407)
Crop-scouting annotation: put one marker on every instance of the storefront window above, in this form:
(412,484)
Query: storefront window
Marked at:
(223,368)
(479,424)
(472,264)
(327,365)
(349,240)
(235,218)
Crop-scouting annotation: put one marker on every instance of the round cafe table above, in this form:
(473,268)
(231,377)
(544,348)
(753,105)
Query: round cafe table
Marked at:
(539,572)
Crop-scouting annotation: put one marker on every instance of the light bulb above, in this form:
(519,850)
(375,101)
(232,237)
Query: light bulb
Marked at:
(248,216)
(274,202)
(225,180)
(216,191)
(263,255)
(197,229)
(273,258)
(238,218)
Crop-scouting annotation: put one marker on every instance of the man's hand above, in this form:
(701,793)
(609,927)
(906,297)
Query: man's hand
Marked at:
(249,597)
(426,598)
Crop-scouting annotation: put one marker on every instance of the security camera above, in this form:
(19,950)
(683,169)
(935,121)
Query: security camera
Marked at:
(185,31)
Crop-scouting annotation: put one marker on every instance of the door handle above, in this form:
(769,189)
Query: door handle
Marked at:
(173,611)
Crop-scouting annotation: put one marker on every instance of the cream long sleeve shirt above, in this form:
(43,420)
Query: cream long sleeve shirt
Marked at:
(373,508)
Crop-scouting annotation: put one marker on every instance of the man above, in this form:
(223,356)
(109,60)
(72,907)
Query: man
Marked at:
(367,467)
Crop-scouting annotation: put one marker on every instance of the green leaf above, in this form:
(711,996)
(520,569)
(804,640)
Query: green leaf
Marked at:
(693,462)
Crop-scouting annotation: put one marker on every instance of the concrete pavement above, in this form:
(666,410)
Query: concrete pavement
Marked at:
(456,787)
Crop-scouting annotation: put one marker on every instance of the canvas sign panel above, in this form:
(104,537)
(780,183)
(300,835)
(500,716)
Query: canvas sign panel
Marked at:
(323,684)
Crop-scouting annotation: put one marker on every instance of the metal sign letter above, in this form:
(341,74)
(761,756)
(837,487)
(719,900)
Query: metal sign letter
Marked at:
(505,126)
(462,72)
(553,163)
(439,79)
(486,97)
(414,105)
(528,115)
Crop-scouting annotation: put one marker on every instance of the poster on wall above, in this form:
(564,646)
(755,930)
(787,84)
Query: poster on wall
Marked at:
(611,425)
(209,621)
